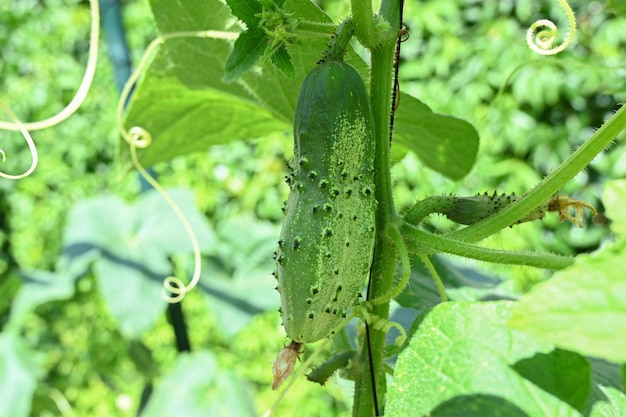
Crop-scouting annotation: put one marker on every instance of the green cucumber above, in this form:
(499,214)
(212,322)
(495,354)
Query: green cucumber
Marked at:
(327,240)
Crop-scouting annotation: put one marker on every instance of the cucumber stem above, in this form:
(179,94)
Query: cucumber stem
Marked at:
(564,173)
(339,42)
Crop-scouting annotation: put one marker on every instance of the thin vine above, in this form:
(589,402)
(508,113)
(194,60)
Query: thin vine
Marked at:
(174,289)
(70,109)
(29,141)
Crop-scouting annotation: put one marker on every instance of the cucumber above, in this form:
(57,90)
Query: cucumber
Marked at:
(327,239)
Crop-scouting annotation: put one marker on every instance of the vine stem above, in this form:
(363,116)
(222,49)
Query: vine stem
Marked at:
(433,273)
(370,383)
(315,29)
(174,289)
(425,243)
(24,127)
(29,141)
(83,89)
(362,13)
(564,173)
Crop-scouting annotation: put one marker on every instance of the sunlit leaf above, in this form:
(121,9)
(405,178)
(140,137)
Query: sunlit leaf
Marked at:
(198,387)
(443,143)
(19,372)
(582,308)
(465,349)
(614,404)
(134,243)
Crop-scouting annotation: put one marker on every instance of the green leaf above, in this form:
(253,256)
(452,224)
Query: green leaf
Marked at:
(282,60)
(19,372)
(461,281)
(246,10)
(614,198)
(192,120)
(169,15)
(581,308)
(444,143)
(564,374)
(604,375)
(197,387)
(465,349)
(181,99)
(614,404)
(618,7)
(134,243)
(480,405)
(249,47)
(38,288)
(238,280)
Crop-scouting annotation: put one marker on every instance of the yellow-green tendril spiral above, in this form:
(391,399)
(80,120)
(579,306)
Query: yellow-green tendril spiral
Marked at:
(543,40)
(70,109)
(174,289)
(29,141)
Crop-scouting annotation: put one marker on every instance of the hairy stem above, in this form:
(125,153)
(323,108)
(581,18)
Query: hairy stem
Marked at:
(370,356)
(315,29)
(363,16)
(421,242)
(550,184)
(435,275)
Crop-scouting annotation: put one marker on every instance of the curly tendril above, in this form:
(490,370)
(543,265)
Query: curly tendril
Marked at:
(74,104)
(29,141)
(174,289)
(543,40)
(132,80)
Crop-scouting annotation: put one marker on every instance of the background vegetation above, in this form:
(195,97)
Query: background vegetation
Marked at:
(74,343)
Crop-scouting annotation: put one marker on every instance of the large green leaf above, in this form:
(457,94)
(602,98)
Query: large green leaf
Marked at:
(583,308)
(444,143)
(186,107)
(465,349)
(184,104)
(38,288)
(564,374)
(604,375)
(614,404)
(198,387)
(134,243)
(19,372)
(238,279)
(618,7)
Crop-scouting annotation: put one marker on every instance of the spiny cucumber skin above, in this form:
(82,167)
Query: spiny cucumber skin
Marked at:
(469,210)
(327,240)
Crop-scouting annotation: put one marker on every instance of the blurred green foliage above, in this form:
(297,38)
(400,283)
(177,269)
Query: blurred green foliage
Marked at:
(466,58)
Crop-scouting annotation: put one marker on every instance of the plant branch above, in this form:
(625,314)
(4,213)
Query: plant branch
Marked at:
(549,185)
(363,16)
(418,240)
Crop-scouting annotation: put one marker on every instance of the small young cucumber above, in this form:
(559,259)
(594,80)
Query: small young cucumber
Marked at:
(327,239)
(470,210)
